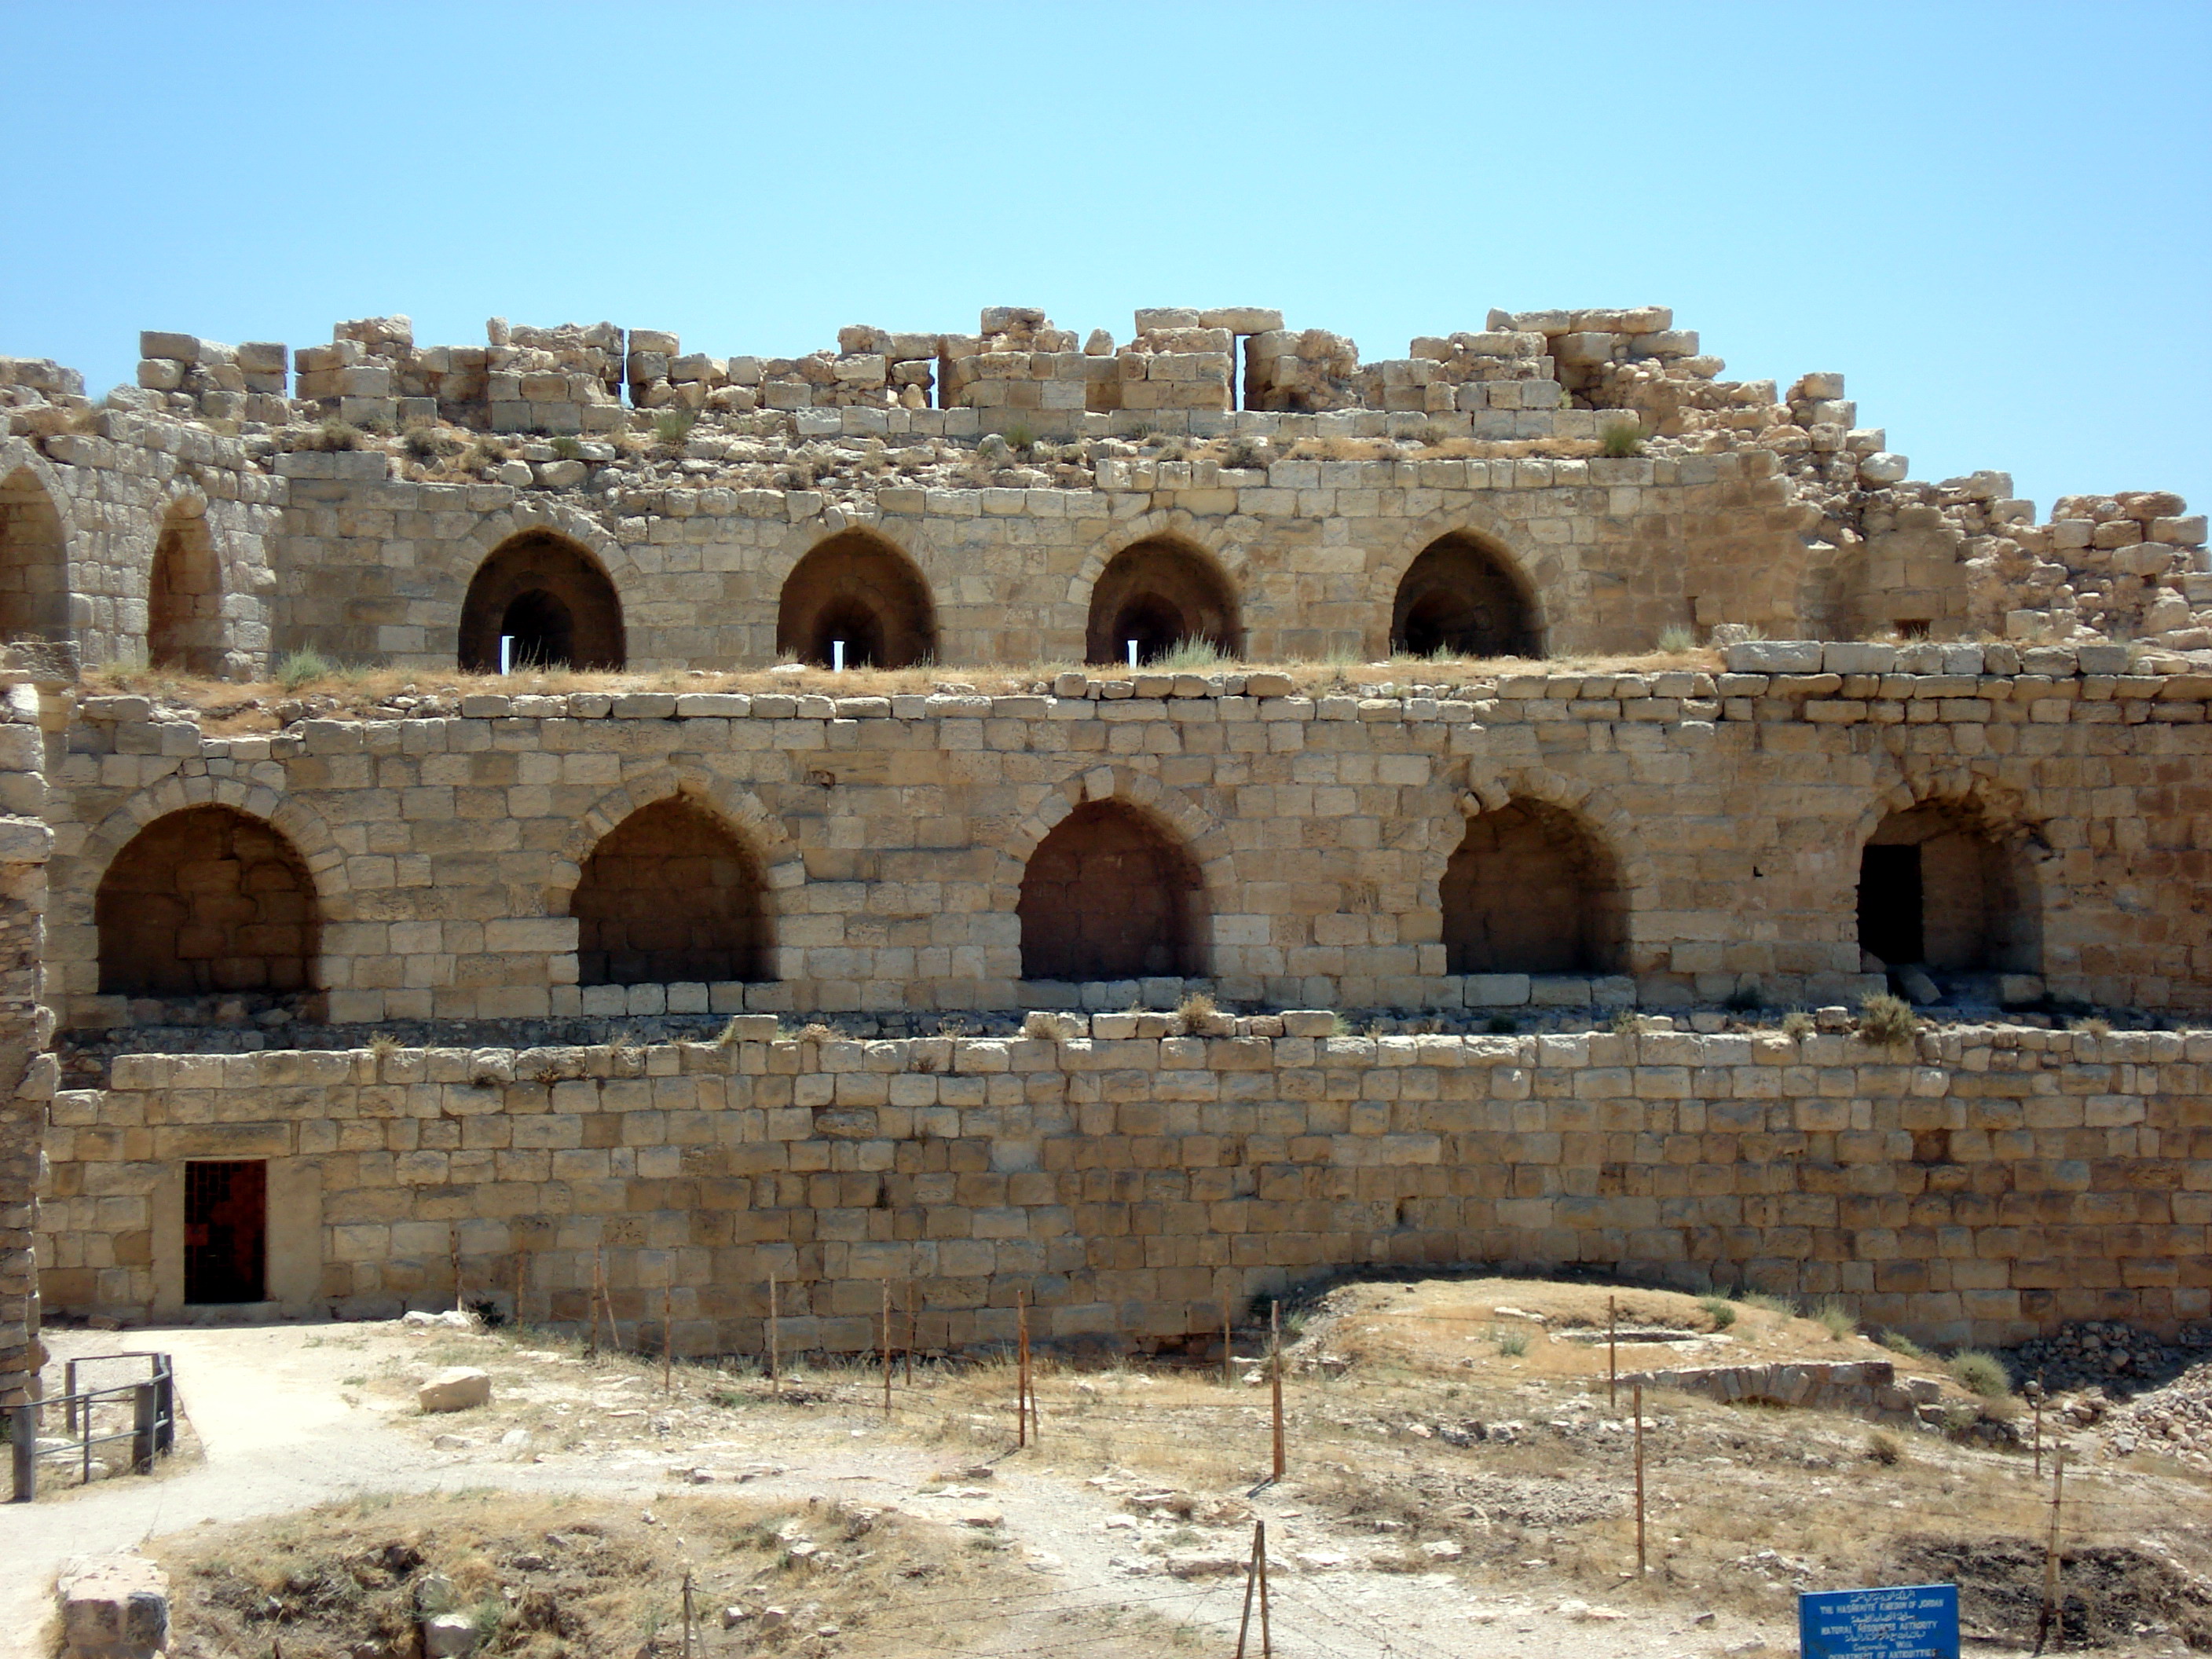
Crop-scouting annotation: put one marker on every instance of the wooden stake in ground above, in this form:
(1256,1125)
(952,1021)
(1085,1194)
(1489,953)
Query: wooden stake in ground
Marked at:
(1275,1379)
(1612,1355)
(607,1302)
(2050,1614)
(1228,1342)
(775,1359)
(592,1300)
(1255,1580)
(518,1266)
(667,1342)
(913,1329)
(887,1348)
(687,1613)
(1021,1369)
(1638,1408)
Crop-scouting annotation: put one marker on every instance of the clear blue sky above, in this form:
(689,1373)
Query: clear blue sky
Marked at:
(1993,219)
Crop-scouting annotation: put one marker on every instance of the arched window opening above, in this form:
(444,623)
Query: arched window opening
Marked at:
(1531,892)
(1163,595)
(550,598)
(669,894)
(33,566)
(1109,895)
(207,900)
(184,597)
(857,589)
(1939,889)
(1460,598)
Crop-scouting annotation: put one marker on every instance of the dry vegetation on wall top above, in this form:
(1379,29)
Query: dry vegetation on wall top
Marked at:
(314,687)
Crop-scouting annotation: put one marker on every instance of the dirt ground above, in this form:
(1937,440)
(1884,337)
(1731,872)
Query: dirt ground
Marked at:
(1456,1483)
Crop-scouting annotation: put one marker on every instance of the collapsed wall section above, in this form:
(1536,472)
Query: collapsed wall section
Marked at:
(1984,1188)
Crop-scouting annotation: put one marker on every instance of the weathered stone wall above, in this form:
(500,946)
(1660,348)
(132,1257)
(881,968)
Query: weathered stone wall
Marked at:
(892,834)
(1985,1188)
(377,567)
(27,1075)
(114,491)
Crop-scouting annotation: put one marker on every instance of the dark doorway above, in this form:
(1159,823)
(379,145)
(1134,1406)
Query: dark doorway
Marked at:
(1940,886)
(227,1231)
(1156,626)
(1108,895)
(543,628)
(1890,904)
(857,626)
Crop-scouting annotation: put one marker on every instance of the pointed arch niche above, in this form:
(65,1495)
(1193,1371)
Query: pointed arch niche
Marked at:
(1111,893)
(551,598)
(670,894)
(857,587)
(1940,888)
(205,899)
(1531,889)
(1463,597)
(183,594)
(1161,593)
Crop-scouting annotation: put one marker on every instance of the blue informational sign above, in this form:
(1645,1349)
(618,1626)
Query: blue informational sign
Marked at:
(1905,1621)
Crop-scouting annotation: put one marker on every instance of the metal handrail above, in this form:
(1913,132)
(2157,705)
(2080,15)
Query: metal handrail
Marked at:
(152,1432)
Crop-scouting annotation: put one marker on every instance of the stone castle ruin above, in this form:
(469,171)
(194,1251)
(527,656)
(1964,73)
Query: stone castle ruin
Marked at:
(1557,709)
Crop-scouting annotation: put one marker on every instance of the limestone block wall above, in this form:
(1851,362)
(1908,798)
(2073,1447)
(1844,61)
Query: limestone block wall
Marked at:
(1609,551)
(106,495)
(1725,814)
(27,1074)
(1986,1187)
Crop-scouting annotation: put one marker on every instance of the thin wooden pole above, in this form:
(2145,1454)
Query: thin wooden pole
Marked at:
(1612,1355)
(1275,1375)
(1022,1369)
(2039,1434)
(775,1359)
(913,1329)
(2050,1554)
(453,1243)
(667,1342)
(1228,1342)
(1638,1409)
(687,1613)
(592,1300)
(518,1286)
(887,1348)
(607,1302)
(1251,1582)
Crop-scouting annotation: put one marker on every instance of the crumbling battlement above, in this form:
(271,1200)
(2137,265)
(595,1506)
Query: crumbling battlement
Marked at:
(1618,487)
